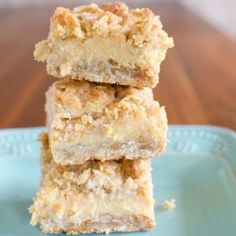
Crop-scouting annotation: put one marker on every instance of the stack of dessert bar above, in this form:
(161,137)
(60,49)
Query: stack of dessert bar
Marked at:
(103,123)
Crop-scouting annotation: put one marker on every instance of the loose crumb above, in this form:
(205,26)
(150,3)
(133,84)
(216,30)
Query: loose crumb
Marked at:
(169,204)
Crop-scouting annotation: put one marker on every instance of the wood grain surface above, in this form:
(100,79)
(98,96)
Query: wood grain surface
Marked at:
(197,80)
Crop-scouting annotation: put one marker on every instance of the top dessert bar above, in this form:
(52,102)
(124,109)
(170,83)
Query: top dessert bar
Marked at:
(107,44)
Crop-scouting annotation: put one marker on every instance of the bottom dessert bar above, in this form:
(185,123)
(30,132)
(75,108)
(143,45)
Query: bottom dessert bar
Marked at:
(96,196)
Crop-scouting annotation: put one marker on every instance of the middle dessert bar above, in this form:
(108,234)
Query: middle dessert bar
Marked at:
(89,121)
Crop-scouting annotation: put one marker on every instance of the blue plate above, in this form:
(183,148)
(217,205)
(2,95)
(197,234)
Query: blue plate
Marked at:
(198,170)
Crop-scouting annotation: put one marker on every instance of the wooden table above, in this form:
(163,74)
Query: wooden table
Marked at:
(198,78)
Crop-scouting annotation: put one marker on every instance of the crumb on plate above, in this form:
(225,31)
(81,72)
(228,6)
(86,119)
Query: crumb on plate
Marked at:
(169,204)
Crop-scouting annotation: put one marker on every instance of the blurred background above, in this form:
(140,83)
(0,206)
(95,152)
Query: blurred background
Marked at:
(197,80)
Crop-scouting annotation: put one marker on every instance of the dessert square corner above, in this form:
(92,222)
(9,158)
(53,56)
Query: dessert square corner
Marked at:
(130,45)
(96,196)
(88,121)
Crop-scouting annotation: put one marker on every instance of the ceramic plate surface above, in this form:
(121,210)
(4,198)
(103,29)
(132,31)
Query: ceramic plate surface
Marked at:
(198,170)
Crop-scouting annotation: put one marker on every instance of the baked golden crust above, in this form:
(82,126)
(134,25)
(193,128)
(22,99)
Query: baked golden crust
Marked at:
(129,44)
(89,121)
(93,197)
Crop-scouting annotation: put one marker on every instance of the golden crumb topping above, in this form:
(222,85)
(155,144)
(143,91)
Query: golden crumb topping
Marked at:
(90,101)
(136,26)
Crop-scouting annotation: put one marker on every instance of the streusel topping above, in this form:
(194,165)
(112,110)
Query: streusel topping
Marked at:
(136,26)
